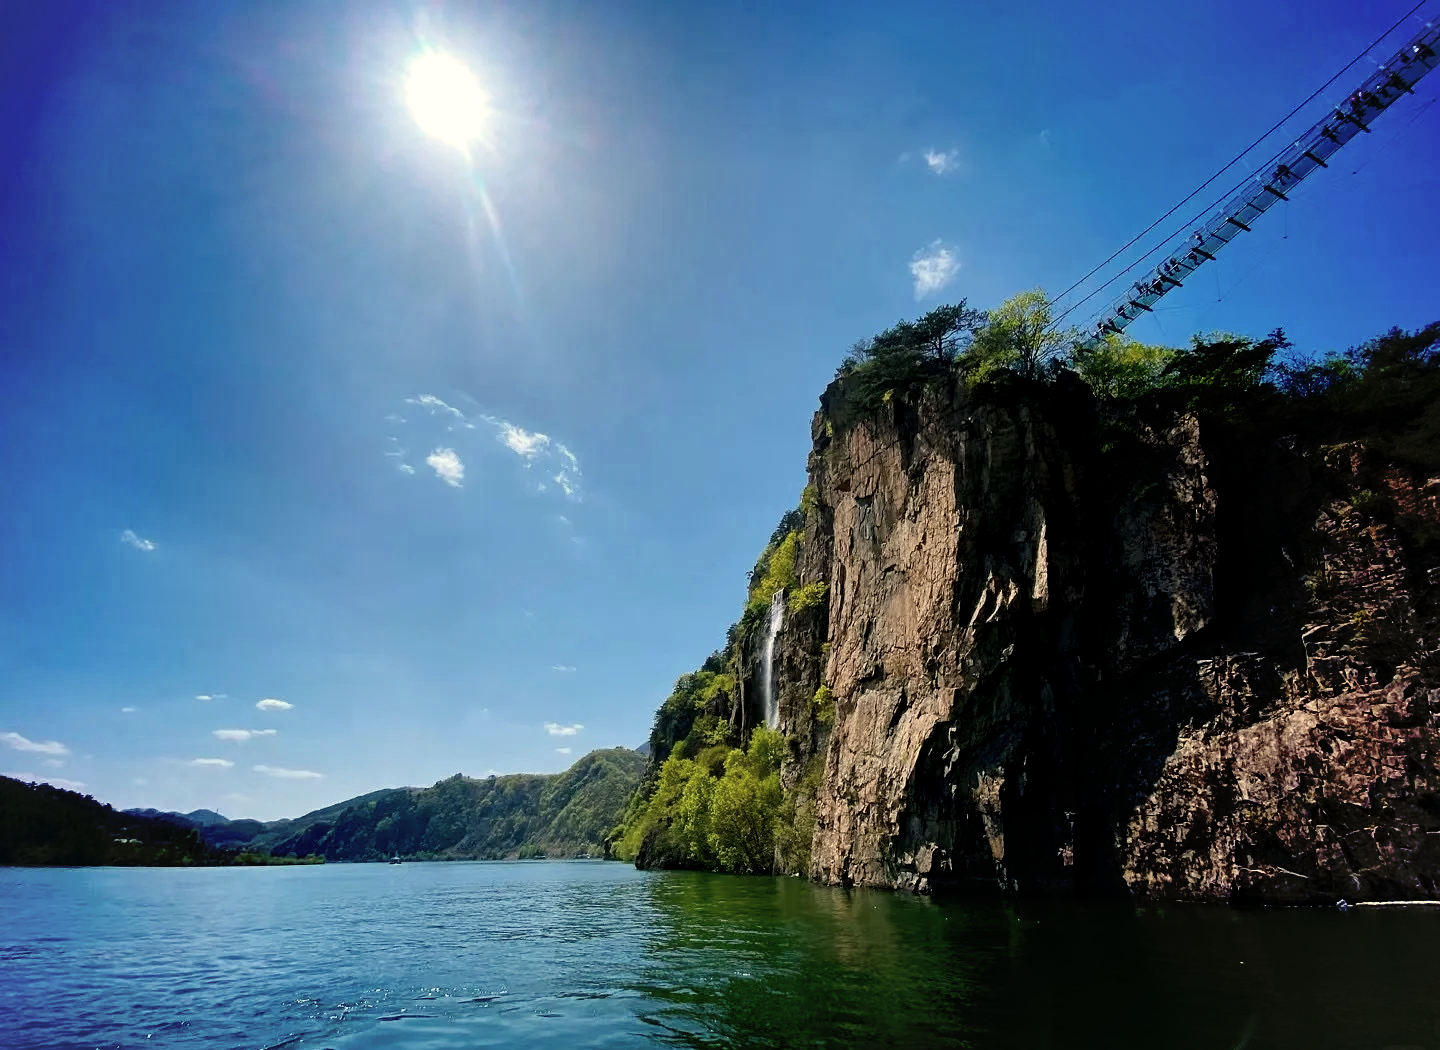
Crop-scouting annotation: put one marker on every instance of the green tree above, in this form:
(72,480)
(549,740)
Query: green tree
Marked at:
(1019,336)
(910,352)
(1120,367)
(743,814)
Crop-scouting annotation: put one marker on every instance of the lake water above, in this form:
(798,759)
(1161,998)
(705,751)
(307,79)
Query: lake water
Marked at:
(590,954)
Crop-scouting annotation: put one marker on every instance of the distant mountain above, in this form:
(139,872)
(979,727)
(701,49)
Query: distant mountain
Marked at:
(200,818)
(221,831)
(45,825)
(557,814)
(206,818)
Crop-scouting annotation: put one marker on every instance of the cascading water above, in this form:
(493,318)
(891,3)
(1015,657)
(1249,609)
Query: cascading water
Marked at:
(767,672)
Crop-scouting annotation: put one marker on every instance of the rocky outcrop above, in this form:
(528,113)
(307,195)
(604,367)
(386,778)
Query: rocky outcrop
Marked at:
(1071,654)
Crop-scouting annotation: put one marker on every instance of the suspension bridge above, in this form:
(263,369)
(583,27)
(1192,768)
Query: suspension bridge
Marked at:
(1392,82)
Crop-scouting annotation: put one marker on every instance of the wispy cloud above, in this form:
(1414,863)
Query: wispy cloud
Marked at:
(447,465)
(140,543)
(211,696)
(569,476)
(560,465)
(127,710)
(556,729)
(563,668)
(272,704)
(406,468)
(288,774)
(933,267)
(1045,137)
(43,747)
(942,162)
(240,736)
(212,763)
(563,750)
(59,782)
(435,406)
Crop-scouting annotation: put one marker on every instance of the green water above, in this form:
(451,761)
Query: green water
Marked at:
(451,956)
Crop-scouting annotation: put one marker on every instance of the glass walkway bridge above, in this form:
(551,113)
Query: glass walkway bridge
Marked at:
(1391,82)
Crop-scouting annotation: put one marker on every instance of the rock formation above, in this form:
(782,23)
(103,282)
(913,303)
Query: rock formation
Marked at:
(1078,654)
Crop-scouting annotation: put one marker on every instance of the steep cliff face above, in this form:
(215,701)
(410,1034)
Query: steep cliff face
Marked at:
(1074,654)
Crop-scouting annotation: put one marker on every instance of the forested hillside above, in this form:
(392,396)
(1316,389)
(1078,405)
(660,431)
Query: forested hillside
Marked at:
(521,815)
(44,825)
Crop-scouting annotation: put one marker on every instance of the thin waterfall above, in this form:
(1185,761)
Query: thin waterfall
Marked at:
(767,672)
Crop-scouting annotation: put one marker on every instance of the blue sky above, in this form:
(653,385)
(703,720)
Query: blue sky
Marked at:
(463,460)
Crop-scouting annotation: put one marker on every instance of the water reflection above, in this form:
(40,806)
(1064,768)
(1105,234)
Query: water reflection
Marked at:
(734,962)
(781,962)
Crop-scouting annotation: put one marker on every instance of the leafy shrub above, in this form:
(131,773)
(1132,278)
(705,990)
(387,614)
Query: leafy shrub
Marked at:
(822,705)
(807,597)
(775,571)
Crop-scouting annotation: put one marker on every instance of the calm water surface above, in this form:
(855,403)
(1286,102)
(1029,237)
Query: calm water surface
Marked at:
(589,954)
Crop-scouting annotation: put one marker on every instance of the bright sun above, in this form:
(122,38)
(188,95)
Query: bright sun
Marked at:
(446,99)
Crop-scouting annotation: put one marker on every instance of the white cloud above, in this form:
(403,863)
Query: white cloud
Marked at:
(406,468)
(140,543)
(447,465)
(43,747)
(212,763)
(933,267)
(563,750)
(271,704)
(288,774)
(127,710)
(240,736)
(1045,137)
(435,405)
(522,442)
(59,782)
(555,729)
(211,696)
(563,669)
(53,763)
(942,163)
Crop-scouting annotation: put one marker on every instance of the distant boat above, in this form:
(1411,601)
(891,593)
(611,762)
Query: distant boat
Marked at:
(395,859)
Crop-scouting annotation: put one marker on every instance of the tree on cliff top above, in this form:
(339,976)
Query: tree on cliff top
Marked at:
(910,352)
(1017,336)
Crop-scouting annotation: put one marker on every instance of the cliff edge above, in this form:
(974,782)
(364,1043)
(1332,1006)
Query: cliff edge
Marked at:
(1078,649)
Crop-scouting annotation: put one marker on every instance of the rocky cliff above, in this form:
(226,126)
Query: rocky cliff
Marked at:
(1076,651)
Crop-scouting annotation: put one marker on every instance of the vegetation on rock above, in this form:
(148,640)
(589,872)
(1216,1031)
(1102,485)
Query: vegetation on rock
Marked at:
(719,794)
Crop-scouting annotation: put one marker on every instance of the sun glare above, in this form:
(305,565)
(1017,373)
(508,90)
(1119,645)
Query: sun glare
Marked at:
(446,99)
